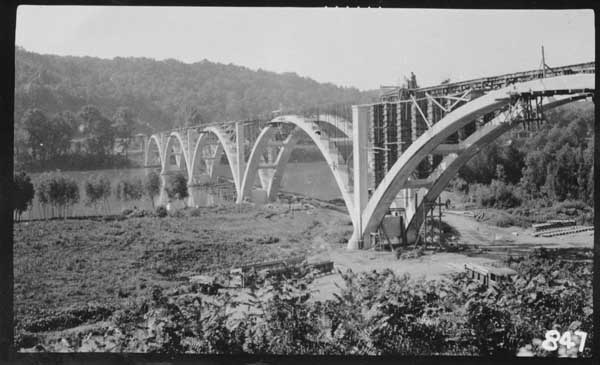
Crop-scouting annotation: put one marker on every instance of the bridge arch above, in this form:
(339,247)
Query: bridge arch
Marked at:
(225,145)
(153,141)
(196,154)
(398,175)
(169,145)
(451,163)
(319,137)
(335,122)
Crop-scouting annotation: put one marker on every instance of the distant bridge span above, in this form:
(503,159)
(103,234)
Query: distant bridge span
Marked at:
(376,158)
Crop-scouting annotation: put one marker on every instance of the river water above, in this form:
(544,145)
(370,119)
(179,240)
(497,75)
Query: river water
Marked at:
(313,179)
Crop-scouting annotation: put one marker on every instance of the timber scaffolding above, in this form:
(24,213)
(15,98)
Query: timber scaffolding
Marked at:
(395,125)
(489,83)
(403,114)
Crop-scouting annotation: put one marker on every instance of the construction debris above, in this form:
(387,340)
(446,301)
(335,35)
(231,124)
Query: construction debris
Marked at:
(490,276)
(247,274)
(555,223)
(563,231)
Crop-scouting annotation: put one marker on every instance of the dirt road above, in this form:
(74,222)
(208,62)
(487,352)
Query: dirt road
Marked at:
(515,239)
(494,243)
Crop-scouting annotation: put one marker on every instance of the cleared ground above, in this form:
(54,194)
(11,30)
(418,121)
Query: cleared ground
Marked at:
(69,263)
(62,263)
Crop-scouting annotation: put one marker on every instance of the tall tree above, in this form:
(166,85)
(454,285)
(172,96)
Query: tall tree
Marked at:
(35,123)
(123,125)
(100,136)
(59,136)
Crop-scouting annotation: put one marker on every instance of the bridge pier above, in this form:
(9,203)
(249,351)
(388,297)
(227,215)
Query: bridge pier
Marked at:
(241,158)
(360,129)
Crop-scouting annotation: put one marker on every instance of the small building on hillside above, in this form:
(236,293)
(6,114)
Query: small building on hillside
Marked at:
(78,145)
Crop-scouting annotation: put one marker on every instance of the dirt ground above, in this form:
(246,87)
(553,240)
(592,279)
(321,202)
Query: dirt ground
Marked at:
(63,263)
(489,245)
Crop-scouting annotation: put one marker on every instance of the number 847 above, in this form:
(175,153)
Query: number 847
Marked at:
(553,339)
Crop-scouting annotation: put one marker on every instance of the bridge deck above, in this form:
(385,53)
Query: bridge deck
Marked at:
(494,82)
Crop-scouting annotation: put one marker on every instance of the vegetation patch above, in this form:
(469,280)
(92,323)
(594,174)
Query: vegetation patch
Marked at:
(376,313)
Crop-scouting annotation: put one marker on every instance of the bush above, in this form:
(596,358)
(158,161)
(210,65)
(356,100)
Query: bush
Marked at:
(497,195)
(161,211)
(97,190)
(375,313)
(177,186)
(459,184)
(152,186)
(56,193)
(22,194)
(129,189)
(572,207)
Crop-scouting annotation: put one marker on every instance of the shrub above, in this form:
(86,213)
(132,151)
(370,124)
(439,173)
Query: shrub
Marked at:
(22,194)
(497,195)
(129,189)
(152,186)
(459,184)
(161,211)
(177,186)
(58,191)
(97,190)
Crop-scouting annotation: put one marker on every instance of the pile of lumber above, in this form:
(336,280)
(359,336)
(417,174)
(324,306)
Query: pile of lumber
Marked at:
(554,223)
(563,231)
(279,267)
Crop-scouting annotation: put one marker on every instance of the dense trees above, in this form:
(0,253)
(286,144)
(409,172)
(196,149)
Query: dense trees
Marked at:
(164,94)
(554,163)
(123,126)
(60,140)
(106,101)
(98,131)
(46,137)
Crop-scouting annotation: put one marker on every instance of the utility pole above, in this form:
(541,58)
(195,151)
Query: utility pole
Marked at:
(543,63)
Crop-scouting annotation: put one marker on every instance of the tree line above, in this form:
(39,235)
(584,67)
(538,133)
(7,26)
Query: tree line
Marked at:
(555,163)
(165,94)
(57,193)
(45,141)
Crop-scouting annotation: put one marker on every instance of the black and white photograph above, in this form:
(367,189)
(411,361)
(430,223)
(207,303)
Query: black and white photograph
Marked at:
(303,181)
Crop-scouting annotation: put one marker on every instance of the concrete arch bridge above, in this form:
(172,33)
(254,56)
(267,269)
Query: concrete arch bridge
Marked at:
(411,140)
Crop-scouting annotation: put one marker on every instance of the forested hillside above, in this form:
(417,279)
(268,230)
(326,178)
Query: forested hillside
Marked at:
(553,163)
(164,94)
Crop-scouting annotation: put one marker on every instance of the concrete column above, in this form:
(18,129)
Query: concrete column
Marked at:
(145,140)
(360,128)
(190,134)
(241,163)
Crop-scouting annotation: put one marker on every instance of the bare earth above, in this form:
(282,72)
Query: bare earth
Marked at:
(495,242)
(62,263)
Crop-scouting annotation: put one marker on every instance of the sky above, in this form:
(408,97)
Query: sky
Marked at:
(363,48)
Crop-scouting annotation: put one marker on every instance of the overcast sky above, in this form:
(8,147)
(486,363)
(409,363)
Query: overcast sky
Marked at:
(364,48)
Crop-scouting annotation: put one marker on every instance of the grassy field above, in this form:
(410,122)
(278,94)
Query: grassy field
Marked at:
(313,179)
(68,263)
